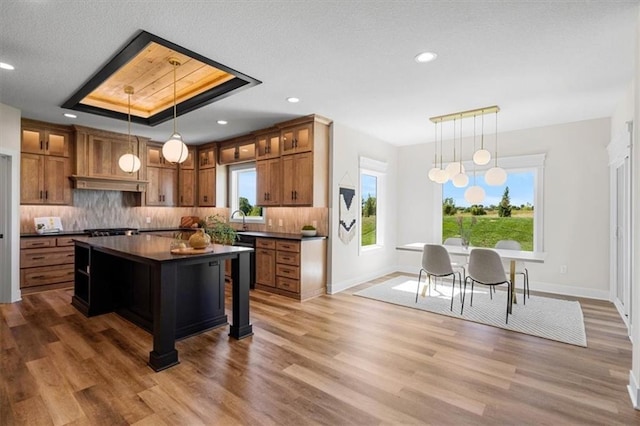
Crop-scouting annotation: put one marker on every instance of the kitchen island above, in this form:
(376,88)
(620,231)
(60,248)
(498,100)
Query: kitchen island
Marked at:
(171,296)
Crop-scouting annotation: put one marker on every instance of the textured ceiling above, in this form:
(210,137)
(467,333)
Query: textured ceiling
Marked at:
(542,62)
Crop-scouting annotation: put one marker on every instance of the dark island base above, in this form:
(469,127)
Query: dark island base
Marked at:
(171,299)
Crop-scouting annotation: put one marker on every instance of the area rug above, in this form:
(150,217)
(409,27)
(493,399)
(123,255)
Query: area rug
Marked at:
(553,319)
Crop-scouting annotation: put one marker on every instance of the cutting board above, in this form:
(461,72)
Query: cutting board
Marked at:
(188,221)
(191,250)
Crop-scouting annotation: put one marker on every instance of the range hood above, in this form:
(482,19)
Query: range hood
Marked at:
(108,183)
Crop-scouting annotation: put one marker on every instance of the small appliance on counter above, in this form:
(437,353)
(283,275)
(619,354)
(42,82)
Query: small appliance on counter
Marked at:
(47,225)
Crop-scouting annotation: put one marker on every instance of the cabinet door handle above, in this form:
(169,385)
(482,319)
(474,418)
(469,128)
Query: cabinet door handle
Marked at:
(37,244)
(40,195)
(37,258)
(46,195)
(70,255)
(292,196)
(46,146)
(41,145)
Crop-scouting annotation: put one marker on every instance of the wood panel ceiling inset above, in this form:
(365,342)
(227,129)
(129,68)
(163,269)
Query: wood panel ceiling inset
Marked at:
(144,65)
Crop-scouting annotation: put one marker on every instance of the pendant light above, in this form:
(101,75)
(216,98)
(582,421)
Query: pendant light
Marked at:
(460,180)
(174,150)
(496,176)
(129,162)
(435,169)
(474,194)
(481,156)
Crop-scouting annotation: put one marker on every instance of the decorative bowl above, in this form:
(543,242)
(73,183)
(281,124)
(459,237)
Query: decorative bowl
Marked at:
(199,239)
(308,232)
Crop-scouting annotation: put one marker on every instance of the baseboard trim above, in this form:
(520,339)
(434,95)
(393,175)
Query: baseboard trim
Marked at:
(334,288)
(634,391)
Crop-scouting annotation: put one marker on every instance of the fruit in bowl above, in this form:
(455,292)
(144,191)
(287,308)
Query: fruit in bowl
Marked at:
(308,231)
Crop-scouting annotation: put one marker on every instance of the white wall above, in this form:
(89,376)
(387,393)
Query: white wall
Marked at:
(576,203)
(10,146)
(348,267)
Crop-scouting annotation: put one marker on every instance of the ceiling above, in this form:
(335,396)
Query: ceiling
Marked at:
(542,63)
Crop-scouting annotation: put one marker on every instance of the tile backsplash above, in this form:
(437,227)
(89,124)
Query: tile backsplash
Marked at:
(111,209)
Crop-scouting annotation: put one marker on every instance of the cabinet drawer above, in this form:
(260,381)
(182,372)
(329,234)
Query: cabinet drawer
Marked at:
(284,245)
(288,284)
(288,271)
(27,243)
(45,257)
(46,275)
(288,258)
(265,243)
(64,241)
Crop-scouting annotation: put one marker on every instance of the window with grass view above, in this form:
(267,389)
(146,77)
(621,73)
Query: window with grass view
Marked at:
(242,192)
(369,191)
(507,213)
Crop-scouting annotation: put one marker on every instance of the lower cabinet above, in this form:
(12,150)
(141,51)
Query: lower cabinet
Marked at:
(46,263)
(292,268)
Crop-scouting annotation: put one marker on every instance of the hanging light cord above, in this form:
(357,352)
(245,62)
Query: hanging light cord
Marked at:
(474,149)
(496,152)
(435,151)
(460,165)
(175,116)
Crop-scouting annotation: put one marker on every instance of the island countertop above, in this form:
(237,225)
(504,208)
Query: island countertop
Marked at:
(152,248)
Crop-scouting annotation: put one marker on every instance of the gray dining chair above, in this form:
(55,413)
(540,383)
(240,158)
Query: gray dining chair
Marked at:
(437,263)
(485,267)
(520,267)
(455,263)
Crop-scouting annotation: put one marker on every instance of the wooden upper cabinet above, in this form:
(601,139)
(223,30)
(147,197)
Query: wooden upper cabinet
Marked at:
(155,157)
(296,139)
(268,144)
(41,138)
(44,179)
(187,187)
(238,150)
(269,182)
(207,157)
(297,179)
(162,188)
(190,162)
(207,187)
(104,154)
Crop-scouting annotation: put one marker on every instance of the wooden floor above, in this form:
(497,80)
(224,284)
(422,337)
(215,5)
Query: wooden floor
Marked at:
(334,360)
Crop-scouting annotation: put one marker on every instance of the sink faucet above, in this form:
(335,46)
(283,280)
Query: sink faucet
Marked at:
(244,225)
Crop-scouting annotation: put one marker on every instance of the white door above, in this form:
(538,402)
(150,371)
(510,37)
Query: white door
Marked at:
(5,210)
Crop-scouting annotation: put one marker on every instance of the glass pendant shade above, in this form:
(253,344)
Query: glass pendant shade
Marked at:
(432,173)
(474,194)
(441,176)
(174,150)
(460,180)
(453,169)
(481,157)
(129,163)
(495,176)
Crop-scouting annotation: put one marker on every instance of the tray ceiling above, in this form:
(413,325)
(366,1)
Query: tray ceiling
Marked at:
(144,65)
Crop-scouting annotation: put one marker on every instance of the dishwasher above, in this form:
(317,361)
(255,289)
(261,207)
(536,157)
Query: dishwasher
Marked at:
(244,240)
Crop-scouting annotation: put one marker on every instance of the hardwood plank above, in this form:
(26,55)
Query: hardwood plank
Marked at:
(335,359)
(56,394)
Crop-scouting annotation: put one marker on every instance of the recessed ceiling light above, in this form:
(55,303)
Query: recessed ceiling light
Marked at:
(66,114)
(293,100)
(425,57)
(6,66)
(222,122)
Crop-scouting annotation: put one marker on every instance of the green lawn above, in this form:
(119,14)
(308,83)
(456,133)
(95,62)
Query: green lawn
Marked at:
(368,230)
(490,229)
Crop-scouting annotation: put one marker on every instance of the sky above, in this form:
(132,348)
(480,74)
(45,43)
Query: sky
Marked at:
(368,186)
(521,190)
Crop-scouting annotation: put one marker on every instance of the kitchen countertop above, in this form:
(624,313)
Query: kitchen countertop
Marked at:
(259,234)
